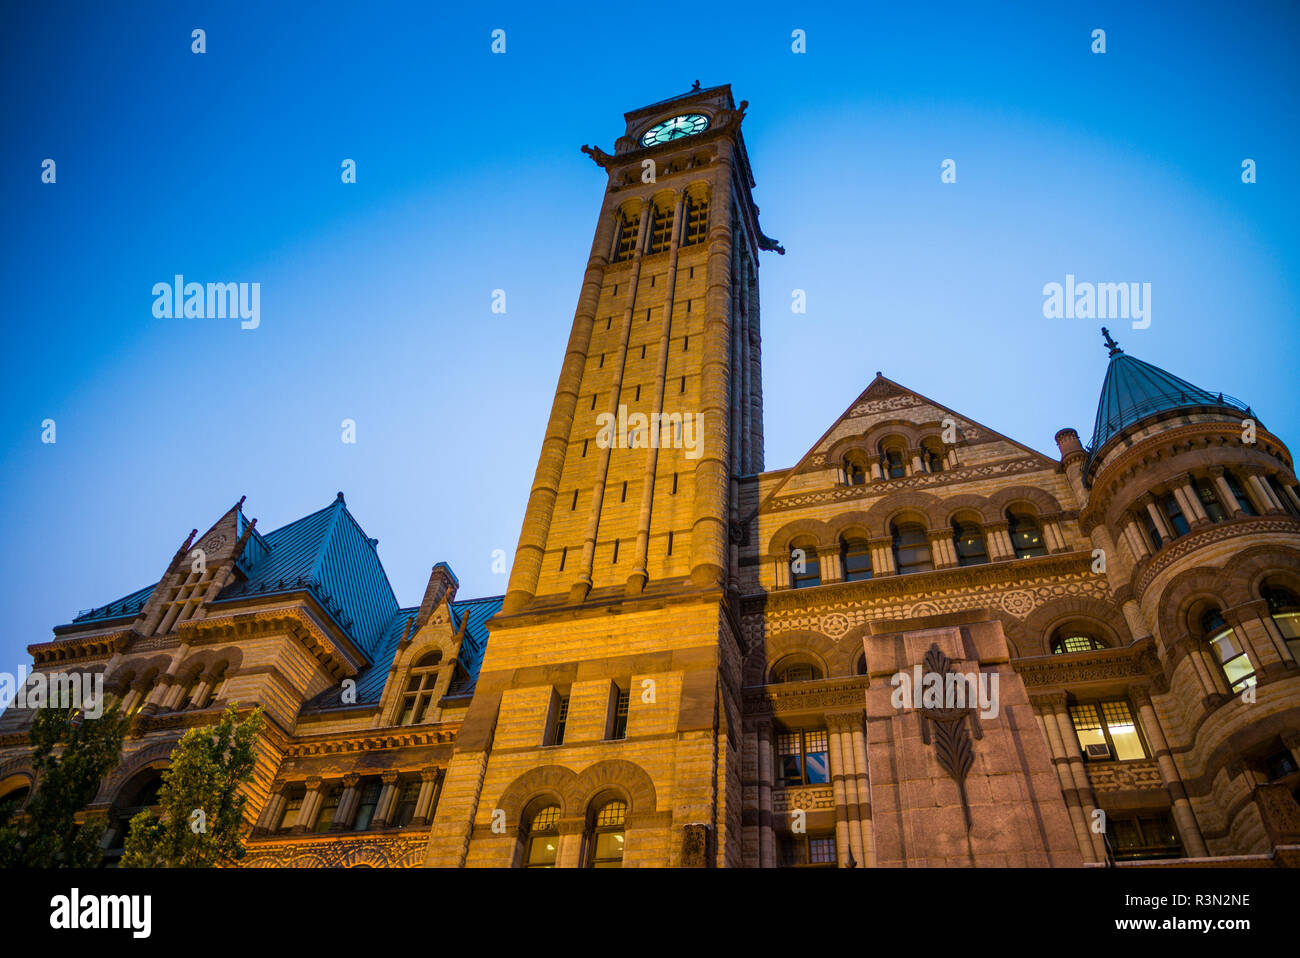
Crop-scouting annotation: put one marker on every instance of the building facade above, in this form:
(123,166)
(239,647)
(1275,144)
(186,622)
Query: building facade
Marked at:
(702,662)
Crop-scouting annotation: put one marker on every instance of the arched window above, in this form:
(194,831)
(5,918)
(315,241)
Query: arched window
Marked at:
(1284,607)
(627,227)
(1177,521)
(543,838)
(805,569)
(188,685)
(418,697)
(892,461)
(1026,536)
(12,801)
(1072,638)
(861,667)
(605,837)
(1237,669)
(855,556)
(968,539)
(855,469)
(932,456)
(797,670)
(697,221)
(661,228)
(911,548)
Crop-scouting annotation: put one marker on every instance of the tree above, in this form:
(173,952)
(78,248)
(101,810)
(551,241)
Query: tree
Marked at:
(203,810)
(71,755)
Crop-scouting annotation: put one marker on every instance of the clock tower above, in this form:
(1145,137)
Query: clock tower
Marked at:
(616,655)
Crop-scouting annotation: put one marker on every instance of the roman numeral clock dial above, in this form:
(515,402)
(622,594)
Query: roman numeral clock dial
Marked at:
(679,126)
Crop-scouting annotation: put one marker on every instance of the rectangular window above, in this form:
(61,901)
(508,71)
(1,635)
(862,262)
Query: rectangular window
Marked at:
(1243,500)
(683,387)
(674,492)
(686,343)
(292,806)
(626,247)
(614,561)
(661,231)
(593,400)
(559,716)
(584,448)
(1209,501)
(602,361)
(1106,731)
(803,757)
(1145,836)
(804,851)
(368,803)
(564,554)
(618,719)
(575,500)
(670,543)
(1177,521)
(697,223)
(408,796)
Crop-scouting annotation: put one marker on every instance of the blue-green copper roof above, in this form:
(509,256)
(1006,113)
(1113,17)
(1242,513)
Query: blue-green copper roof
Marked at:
(371,679)
(1134,390)
(327,553)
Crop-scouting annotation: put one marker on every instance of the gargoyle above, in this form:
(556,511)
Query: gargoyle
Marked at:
(598,156)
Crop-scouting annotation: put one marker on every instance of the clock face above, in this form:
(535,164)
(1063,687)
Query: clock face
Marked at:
(675,129)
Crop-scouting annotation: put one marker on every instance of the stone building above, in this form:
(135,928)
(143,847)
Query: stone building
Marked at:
(702,662)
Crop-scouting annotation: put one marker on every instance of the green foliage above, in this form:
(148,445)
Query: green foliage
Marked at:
(71,755)
(202,806)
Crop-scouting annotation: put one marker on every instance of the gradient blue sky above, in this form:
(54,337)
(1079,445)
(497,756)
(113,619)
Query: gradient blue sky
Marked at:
(376,296)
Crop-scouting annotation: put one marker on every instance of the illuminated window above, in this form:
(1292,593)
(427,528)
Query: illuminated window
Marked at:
(1026,536)
(606,838)
(292,806)
(1284,607)
(968,538)
(1233,659)
(543,838)
(1071,640)
(798,672)
(803,757)
(911,548)
(1106,731)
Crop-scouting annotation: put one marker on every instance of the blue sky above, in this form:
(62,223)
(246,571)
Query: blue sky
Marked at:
(375,304)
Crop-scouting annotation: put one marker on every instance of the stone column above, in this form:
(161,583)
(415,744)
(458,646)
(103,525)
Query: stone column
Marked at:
(568,854)
(426,801)
(882,556)
(858,742)
(917,468)
(830,565)
(162,687)
(877,473)
(1045,708)
(1263,494)
(1137,542)
(843,844)
(1190,831)
(387,800)
(766,836)
(1054,534)
(272,810)
(942,551)
(1078,773)
(709,537)
(1191,501)
(311,803)
(1148,502)
(999,541)
(344,814)
(783,571)
(1226,496)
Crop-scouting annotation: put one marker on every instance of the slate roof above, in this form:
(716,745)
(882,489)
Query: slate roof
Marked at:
(1134,390)
(328,554)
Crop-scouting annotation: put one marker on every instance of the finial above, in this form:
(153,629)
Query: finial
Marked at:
(696,86)
(240,503)
(1110,343)
(340,499)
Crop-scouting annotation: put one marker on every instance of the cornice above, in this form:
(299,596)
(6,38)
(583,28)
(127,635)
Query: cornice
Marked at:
(1150,568)
(372,740)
